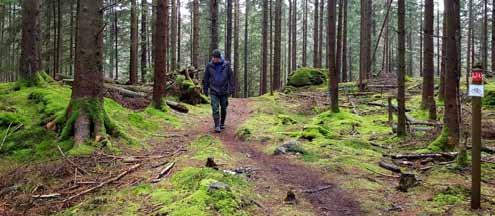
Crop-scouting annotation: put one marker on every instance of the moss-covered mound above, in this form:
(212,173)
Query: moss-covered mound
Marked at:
(307,77)
(31,121)
(189,92)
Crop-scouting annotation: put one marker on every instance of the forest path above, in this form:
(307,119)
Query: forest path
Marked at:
(278,174)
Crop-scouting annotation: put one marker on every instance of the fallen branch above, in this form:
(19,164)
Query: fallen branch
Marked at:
(46,196)
(446,155)
(70,161)
(379,146)
(6,135)
(164,172)
(125,92)
(319,189)
(116,178)
(379,173)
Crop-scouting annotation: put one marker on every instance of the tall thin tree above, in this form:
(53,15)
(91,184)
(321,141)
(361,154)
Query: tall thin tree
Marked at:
(401,97)
(160,45)
(428,96)
(331,55)
(196,39)
(144,39)
(228,36)
(315,35)
(264,51)
(133,66)
(213,25)
(277,49)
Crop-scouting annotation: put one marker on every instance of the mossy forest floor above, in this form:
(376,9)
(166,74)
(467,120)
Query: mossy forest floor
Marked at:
(329,161)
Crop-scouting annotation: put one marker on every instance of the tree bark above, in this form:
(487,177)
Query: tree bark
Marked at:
(173,37)
(428,101)
(338,59)
(30,61)
(264,51)
(228,37)
(315,35)
(116,44)
(213,25)
(236,47)
(160,46)
(344,44)
(144,40)
(441,90)
(294,37)
(305,36)
(277,46)
(246,41)
(86,116)
(364,55)
(134,45)
(331,55)
(196,30)
(449,139)
(320,42)
(401,114)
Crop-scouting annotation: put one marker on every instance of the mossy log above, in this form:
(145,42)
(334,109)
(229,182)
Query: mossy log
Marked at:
(177,106)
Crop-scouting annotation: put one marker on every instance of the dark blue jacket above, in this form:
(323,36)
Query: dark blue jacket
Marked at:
(218,82)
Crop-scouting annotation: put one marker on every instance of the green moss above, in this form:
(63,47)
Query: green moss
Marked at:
(441,142)
(207,146)
(307,76)
(451,196)
(10,118)
(489,99)
(39,79)
(81,150)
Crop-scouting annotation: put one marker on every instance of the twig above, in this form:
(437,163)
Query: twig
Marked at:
(70,161)
(104,183)
(317,189)
(379,173)
(6,134)
(46,196)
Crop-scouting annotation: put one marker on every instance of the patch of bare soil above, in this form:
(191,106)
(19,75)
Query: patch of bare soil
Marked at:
(310,183)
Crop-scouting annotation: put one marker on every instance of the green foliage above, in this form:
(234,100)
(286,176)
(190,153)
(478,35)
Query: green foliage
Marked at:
(207,146)
(307,76)
(39,79)
(489,99)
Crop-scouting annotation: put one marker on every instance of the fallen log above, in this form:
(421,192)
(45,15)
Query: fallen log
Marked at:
(125,92)
(108,181)
(390,167)
(443,155)
(136,88)
(177,106)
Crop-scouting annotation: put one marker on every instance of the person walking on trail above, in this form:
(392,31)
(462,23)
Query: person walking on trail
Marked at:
(218,83)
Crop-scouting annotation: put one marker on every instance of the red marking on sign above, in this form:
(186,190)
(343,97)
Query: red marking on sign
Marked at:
(477,76)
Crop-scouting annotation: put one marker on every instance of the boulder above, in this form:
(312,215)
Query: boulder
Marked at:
(291,146)
(307,77)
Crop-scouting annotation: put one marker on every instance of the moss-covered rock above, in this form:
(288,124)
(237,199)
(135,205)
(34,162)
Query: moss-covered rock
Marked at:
(306,77)
(189,92)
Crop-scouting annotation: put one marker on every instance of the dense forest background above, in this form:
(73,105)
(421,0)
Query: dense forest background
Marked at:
(58,36)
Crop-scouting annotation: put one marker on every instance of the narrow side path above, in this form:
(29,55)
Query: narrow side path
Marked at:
(303,180)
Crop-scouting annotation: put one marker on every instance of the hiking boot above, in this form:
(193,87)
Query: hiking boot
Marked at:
(218,130)
(222,126)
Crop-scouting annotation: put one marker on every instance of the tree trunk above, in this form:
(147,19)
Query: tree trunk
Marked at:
(484,43)
(305,35)
(449,139)
(264,51)
(344,44)
(441,90)
(469,44)
(236,47)
(246,41)
(315,36)
(179,21)
(173,37)
(30,61)
(228,38)
(338,59)
(277,46)
(71,46)
(86,117)
(196,30)
(160,46)
(493,36)
(331,55)
(401,100)
(144,40)
(364,55)
(289,40)
(116,48)
(428,101)
(320,42)
(213,25)
(294,37)
(134,45)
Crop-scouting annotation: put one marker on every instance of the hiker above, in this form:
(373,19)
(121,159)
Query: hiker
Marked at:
(218,83)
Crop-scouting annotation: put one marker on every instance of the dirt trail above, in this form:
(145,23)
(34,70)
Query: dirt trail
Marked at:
(281,171)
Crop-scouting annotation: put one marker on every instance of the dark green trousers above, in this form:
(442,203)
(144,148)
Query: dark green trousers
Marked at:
(219,104)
